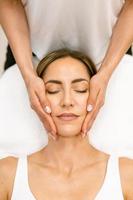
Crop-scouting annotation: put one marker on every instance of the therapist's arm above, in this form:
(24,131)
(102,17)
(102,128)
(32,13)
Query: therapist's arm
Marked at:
(14,22)
(121,40)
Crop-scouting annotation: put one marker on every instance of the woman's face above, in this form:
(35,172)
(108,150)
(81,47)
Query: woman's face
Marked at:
(67,89)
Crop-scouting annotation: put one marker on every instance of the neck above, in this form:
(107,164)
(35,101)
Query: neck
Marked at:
(66,153)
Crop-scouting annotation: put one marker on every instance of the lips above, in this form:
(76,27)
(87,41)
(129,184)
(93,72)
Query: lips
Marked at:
(67,116)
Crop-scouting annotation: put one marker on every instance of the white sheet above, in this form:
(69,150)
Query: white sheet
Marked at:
(21,132)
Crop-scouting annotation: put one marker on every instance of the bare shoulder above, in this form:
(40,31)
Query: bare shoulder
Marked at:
(8,164)
(126,172)
(126,167)
(7,174)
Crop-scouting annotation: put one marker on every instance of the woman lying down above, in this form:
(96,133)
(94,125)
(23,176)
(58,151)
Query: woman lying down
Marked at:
(68,168)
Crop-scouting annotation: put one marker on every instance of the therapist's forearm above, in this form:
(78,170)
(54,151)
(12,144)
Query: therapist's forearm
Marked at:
(14,22)
(121,40)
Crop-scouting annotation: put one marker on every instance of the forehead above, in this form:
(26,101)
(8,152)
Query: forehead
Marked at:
(64,68)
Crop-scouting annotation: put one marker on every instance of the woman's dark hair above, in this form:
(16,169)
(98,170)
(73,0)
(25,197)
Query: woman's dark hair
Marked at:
(51,57)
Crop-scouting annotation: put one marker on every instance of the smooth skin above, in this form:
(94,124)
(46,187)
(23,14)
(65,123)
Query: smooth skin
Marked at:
(56,172)
(16,28)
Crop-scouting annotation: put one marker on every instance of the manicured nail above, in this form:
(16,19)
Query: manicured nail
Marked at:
(89,108)
(47,109)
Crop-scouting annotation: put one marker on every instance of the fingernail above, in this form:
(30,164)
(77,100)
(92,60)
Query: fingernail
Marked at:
(47,109)
(84,134)
(89,108)
(53,133)
(53,137)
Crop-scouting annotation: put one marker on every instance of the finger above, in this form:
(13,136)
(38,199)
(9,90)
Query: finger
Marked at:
(92,99)
(45,118)
(46,107)
(48,123)
(90,116)
(52,125)
(98,106)
(90,119)
(43,100)
(85,123)
(51,136)
(49,132)
(35,104)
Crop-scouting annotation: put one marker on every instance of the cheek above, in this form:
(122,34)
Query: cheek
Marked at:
(81,102)
(53,100)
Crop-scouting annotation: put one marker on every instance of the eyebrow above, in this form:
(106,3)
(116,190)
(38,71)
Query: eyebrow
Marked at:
(74,81)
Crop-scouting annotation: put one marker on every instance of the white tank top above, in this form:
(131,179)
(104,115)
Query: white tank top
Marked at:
(111,188)
(80,25)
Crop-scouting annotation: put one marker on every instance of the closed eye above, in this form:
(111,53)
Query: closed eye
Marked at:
(55,92)
(81,91)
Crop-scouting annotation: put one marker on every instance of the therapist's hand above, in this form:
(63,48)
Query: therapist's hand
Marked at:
(98,85)
(39,103)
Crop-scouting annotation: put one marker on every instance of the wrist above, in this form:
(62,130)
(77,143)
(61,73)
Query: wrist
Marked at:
(104,73)
(29,74)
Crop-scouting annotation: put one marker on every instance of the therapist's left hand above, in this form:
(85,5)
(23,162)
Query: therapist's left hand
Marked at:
(98,85)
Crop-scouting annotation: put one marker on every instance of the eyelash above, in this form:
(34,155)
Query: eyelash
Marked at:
(83,91)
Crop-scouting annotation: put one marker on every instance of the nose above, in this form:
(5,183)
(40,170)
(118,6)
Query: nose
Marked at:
(67,99)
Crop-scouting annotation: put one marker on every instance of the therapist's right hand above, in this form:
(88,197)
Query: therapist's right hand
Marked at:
(39,103)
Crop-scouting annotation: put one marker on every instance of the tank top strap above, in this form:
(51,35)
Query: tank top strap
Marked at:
(111,188)
(20,186)
(113,174)
(113,167)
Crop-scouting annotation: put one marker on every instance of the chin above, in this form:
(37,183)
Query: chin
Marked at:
(68,131)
